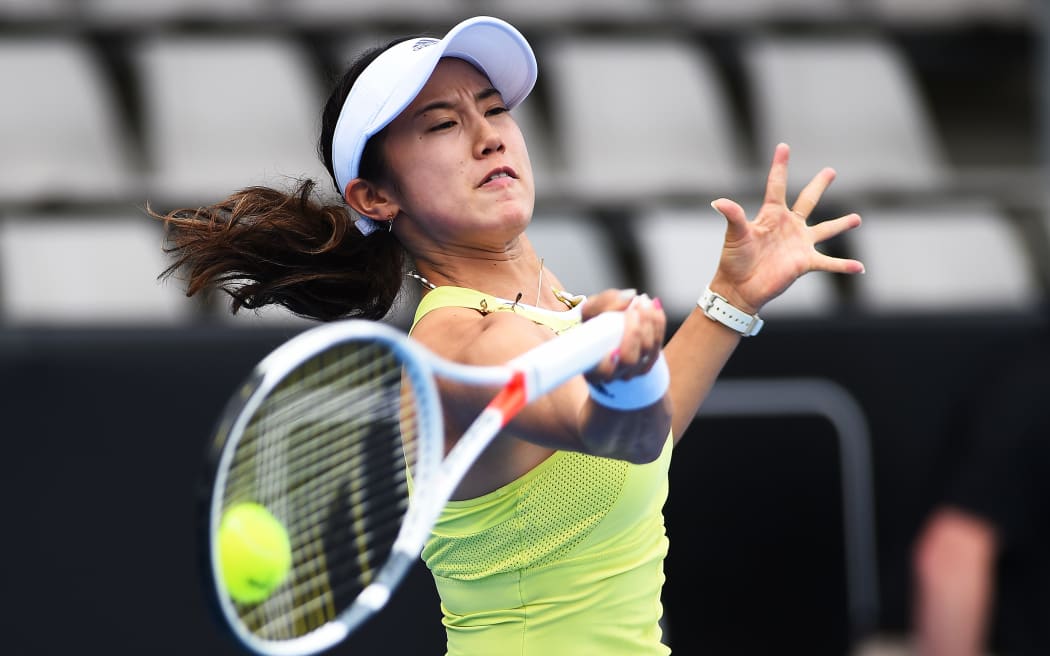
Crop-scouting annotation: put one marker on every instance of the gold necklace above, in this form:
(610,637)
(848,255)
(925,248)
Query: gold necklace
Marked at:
(561,295)
(423,281)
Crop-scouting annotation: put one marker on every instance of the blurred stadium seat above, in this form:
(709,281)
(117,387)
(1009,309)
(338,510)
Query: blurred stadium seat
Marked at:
(34,9)
(345,50)
(641,118)
(577,249)
(745,12)
(548,168)
(963,257)
(680,248)
(848,101)
(77,269)
(123,11)
(442,13)
(61,134)
(225,112)
(846,98)
(946,12)
(555,13)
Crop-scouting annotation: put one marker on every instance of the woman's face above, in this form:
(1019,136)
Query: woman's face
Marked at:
(459,162)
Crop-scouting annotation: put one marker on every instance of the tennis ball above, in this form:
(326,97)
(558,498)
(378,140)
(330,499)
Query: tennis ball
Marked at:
(255,555)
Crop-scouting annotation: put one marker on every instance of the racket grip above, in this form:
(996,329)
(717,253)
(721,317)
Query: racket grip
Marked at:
(572,353)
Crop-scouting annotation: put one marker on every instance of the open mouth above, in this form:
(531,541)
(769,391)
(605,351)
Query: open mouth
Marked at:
(497,174)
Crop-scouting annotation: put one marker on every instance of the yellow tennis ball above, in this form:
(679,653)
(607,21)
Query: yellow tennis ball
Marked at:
(255,555)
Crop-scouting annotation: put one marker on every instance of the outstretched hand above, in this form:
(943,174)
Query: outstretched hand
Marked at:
(761,258)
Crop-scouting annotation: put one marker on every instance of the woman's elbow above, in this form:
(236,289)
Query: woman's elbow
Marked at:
(638,437)
(646,450)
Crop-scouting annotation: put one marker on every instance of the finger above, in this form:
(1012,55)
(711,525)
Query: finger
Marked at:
(657,328)
(626,356)
(810,195)
(776,184)
(836,264)
(827,229)
(660,322)
(646,335)
(651,329)
(607,301)
(630,358)
(625,352)
(644,327)
(734,215)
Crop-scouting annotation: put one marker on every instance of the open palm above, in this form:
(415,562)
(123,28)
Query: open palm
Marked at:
(762,257)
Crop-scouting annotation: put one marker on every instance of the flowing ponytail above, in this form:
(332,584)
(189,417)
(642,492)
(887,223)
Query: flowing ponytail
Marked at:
(264,246)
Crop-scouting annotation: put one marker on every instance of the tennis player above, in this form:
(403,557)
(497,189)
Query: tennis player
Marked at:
(554,543)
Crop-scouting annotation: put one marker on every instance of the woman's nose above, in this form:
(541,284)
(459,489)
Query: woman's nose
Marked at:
(489,139)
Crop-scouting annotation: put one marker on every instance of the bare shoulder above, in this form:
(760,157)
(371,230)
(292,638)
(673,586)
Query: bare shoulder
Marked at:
(468,336)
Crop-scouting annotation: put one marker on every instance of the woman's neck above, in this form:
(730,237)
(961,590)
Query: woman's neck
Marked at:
(523,278)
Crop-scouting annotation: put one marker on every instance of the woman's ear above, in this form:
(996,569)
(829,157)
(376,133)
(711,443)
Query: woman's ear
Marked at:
(369,200)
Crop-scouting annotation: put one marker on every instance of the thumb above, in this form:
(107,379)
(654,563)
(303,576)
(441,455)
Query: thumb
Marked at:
(733,213)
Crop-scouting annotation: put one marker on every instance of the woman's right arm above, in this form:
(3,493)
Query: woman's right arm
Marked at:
(567,418)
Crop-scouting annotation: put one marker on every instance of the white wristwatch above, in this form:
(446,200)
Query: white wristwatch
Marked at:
(717,308)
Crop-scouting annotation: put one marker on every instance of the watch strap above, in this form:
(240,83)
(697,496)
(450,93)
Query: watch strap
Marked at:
(717,308)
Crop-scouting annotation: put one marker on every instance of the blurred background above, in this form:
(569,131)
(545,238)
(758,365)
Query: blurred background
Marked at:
(796,504)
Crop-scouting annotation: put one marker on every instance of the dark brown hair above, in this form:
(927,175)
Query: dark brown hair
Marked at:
(264,246)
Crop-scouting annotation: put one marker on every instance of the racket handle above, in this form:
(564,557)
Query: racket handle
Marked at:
(572,353)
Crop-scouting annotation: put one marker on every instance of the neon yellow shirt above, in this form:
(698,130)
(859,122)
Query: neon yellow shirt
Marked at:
(566,560)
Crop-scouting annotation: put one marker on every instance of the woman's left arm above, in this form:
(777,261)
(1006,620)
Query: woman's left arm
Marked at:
(760,259)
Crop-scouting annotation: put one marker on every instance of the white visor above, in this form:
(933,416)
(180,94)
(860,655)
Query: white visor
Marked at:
(390,83)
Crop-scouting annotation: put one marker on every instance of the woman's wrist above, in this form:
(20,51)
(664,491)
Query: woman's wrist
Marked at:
(729,292)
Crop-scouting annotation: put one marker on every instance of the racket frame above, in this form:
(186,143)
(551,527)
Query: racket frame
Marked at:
(524,379)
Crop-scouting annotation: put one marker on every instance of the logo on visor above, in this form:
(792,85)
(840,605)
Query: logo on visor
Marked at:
(423,43)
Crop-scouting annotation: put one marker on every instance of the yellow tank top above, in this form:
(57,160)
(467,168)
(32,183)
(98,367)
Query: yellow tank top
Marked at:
(566,560)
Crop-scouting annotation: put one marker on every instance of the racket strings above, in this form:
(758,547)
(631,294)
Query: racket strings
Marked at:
(329,452)
(320,470)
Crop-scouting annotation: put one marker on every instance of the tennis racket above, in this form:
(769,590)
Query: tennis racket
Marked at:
(330,433)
